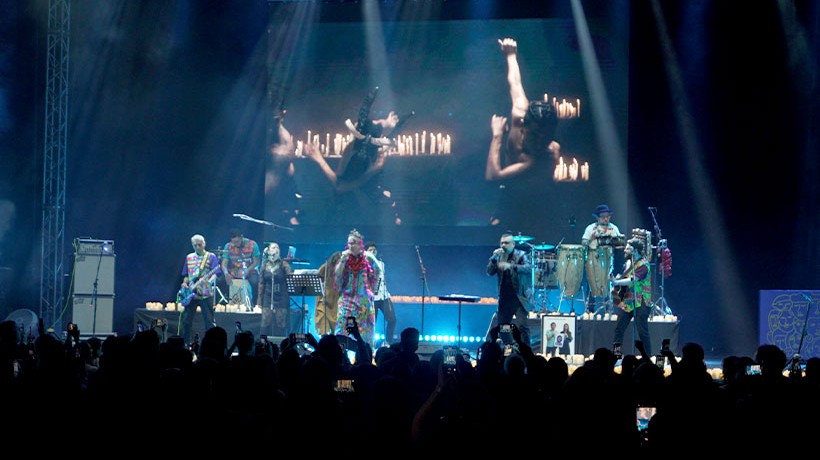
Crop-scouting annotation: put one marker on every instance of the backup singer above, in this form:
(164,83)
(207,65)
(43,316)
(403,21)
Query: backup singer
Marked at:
(512,268)
(632,293)
(273,298)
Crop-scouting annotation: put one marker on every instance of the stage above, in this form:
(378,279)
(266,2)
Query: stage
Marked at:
(589,334)
(226,320)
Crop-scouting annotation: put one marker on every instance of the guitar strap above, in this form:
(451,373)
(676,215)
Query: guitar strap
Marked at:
(202,263)
(201,270)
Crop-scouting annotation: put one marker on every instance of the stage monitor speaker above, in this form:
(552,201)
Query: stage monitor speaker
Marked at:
(84,317)
(85,273)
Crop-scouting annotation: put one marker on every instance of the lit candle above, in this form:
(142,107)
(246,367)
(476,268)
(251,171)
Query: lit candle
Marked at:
(423,141)
(579,107)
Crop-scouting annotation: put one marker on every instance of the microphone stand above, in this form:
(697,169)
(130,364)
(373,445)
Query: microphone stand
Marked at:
(94,293)
(794,364)
(659,304)
(425,290)
(634,299)
(260,221)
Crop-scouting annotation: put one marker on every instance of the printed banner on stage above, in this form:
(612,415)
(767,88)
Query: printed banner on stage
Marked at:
(789,317)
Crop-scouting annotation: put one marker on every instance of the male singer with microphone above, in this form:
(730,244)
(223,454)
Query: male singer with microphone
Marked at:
(513,270)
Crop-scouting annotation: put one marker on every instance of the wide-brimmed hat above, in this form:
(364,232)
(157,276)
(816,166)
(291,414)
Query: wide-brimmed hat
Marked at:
(601,208)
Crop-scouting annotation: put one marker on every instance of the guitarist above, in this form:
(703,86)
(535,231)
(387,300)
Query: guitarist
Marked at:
(632,293)
(199,272)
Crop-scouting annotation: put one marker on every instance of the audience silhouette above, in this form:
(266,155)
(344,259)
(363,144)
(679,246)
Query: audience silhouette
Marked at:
(295,393)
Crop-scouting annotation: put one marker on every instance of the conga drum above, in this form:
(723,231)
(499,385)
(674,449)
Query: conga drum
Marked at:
(599,266)
(570,270)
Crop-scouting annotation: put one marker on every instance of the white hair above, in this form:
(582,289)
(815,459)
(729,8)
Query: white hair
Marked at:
(196,238)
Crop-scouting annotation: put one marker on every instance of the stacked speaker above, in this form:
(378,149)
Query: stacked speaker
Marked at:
(93,291)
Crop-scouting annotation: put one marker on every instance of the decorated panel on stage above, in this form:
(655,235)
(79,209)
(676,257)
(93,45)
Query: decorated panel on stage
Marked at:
(789,319)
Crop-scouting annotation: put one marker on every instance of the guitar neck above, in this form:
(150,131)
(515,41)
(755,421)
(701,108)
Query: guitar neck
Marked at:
(207,276)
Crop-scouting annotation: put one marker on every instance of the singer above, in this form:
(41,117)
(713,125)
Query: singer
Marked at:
(356,276)
(513,269)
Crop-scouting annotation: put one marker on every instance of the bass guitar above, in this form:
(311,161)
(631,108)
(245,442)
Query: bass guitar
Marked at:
(186,294)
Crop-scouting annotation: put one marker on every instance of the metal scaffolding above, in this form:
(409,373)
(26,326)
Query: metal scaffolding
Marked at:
(52,296)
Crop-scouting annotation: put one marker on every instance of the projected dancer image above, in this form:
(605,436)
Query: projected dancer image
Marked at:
(529,131)
(354,178)
(525,167)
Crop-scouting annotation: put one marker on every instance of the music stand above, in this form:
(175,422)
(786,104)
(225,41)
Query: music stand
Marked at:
(305,284)
(459,298)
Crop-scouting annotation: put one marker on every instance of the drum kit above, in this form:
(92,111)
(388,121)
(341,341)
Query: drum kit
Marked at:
(544,274)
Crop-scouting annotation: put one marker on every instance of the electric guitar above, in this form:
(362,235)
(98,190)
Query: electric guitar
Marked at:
(186,294)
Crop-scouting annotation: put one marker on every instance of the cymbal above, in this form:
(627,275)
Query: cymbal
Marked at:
(522,238)
(218,251)
(544,247)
